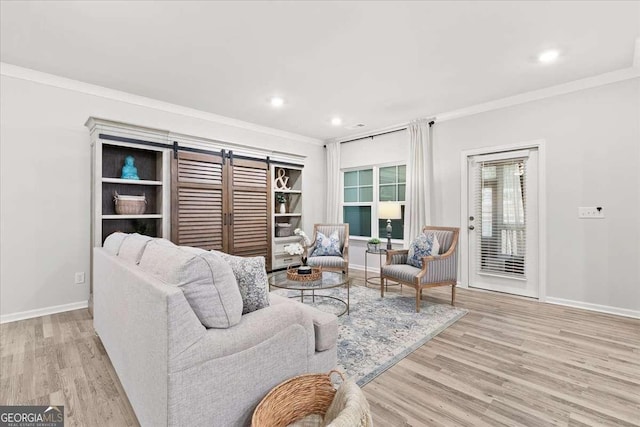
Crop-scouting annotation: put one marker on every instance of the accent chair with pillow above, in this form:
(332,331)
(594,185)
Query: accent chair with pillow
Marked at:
(430,261)
(330,247)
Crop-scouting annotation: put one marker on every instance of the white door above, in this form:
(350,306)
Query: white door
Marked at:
(502,222)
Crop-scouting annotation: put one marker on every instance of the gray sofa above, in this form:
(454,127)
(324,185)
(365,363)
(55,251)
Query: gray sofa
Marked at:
(175,371)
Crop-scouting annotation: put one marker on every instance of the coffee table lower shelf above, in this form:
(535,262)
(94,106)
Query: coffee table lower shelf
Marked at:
(308,289)
(314,296)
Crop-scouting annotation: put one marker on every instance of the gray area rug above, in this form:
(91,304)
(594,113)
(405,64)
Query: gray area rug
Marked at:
(379,332)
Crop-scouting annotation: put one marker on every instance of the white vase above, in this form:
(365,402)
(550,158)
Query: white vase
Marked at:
(283,208)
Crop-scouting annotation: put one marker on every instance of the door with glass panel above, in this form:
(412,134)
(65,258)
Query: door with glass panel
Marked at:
(502,222)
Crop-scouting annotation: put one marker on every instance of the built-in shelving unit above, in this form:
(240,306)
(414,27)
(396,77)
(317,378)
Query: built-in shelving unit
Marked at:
(130,181)
(111,144)
(145,216)
(290,177)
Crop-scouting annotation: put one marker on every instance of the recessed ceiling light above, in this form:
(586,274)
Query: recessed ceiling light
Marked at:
(336,121)
(276,101)
(548,56)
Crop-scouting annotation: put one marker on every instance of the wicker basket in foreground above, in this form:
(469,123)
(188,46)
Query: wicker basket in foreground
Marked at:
(294,399)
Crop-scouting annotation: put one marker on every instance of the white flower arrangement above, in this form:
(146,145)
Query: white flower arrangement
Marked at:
(294,249)
(303,235)
(299,248)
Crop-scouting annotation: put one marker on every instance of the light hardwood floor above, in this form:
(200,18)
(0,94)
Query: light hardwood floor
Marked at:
(510,361)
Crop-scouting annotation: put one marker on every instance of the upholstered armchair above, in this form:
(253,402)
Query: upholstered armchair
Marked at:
(333,263)
(437,270)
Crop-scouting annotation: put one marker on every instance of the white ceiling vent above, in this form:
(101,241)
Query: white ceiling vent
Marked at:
(356,126)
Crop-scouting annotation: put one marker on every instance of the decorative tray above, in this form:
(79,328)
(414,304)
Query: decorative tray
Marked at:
(292,274)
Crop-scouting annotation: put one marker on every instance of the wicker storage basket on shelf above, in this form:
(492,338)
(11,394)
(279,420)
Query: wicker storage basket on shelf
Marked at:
(130,205)
(294,399)
(283,229)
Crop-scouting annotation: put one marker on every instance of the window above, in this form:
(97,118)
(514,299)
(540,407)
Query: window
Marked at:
(361,197)
(358,201)
(392,184)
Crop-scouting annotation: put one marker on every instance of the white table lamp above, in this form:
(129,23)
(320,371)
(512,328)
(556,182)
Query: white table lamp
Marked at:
(389,211)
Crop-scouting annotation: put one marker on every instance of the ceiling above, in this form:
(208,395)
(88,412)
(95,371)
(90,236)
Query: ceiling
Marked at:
(376,63)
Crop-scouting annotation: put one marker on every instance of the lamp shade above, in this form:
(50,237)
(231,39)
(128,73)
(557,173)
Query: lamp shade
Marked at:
(389,210)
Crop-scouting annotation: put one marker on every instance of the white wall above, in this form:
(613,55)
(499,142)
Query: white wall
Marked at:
(383,149)
(45,184)
(593,159)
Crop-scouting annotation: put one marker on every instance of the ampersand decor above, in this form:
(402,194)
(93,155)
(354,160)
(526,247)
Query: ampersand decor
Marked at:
(280,183)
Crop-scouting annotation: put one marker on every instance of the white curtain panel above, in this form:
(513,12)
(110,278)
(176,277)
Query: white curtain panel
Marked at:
(512,239)
(418,207)
(333,183)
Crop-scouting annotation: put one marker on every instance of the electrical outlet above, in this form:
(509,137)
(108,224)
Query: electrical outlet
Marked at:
(80,278)
(591,212)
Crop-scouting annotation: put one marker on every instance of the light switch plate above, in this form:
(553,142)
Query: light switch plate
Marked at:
(79,278)
(596,212)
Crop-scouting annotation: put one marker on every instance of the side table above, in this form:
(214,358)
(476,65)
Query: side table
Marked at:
(371,280)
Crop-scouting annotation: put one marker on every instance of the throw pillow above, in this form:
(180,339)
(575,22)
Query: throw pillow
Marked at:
(113,242)
(422,246)
(206,280)
(435,247)
(327,246)
(133,246)
(253,282)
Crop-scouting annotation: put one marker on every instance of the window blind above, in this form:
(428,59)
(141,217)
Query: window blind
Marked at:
(500,206)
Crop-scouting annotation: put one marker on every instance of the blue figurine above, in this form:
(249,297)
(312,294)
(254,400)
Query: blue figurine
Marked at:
(128,170)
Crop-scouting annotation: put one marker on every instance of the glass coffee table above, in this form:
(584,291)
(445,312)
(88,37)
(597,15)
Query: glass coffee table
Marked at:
(329,280)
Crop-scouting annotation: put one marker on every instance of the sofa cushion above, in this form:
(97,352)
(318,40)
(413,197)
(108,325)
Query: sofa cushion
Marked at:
(326,261)
(113,242)
(325,325)
(253,282)
(165,242)
(133,246)
(208,283)
(403,272)
(192,250)
(327,246)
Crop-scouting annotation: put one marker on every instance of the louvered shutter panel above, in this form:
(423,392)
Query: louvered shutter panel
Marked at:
(198,200)
(250,209)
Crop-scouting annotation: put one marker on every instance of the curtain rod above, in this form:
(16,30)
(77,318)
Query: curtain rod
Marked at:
(431,123)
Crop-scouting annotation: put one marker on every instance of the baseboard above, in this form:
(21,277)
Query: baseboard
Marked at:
(595,307)
(370,270)
(6,318)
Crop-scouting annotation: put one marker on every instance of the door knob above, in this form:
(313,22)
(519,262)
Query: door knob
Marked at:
(471,227)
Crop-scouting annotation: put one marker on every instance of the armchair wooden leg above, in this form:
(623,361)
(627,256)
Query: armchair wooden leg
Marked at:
(453,294)
(418,299)
(381,287)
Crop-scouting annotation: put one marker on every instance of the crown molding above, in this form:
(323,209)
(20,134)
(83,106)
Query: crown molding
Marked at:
(523,98)
(549,92)
(28,74)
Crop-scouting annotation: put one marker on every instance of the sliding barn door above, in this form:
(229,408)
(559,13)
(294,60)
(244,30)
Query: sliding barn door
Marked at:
(249,209)
(198,182)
